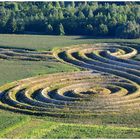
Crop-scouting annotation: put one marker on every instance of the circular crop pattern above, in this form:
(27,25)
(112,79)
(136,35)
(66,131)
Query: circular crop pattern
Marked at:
(110,84)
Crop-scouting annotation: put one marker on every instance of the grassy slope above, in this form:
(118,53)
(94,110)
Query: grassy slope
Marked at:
(24,126)
(52,130)
(29,127)
(34,127)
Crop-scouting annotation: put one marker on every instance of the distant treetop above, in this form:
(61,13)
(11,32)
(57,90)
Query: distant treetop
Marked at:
(99,19)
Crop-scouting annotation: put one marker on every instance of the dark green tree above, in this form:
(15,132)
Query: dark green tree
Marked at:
(90,14)
(103,29)
(4,16)
(89,29)
(81,15)
(11,25)
(57,5)
(20,26)
(49,28)
(128,30)
(61,29)
(60,15)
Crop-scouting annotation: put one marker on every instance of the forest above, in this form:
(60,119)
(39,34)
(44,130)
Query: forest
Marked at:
(97,19)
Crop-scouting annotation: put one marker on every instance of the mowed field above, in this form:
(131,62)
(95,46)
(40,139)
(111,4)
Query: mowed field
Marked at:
(18,125)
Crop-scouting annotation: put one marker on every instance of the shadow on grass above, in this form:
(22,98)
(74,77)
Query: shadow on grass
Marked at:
(13,47)
(94,37)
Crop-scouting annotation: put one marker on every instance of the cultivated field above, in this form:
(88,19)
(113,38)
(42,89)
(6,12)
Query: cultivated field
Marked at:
(69,87)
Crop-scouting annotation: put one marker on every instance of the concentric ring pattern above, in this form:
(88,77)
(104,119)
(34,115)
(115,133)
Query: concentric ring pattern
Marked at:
(110,84)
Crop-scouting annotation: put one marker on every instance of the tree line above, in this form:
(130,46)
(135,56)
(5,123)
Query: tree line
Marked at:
(99,19)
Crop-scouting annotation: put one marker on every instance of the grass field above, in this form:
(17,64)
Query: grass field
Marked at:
(42,42)
(17,125)
(15,70)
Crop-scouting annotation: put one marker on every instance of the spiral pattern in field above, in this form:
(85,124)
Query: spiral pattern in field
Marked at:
(110,84)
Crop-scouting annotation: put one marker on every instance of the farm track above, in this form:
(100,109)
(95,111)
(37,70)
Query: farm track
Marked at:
(110,84)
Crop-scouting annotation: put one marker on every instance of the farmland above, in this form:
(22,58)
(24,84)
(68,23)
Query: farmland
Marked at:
(69,87)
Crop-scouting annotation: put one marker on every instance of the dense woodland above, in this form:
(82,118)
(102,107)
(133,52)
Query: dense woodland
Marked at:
(98,19)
